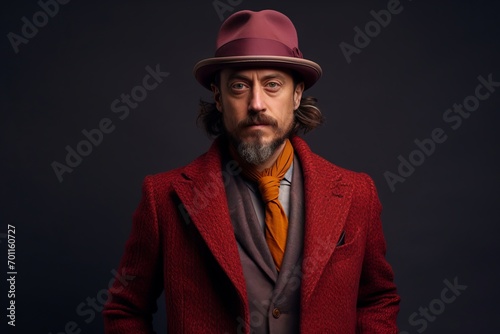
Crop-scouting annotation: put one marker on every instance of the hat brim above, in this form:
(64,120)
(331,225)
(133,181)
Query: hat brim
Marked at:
(204,71)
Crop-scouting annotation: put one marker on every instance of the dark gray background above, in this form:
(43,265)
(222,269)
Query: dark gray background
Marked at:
(441,223)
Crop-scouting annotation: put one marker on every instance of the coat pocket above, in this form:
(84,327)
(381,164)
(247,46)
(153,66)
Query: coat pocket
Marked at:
(346,247)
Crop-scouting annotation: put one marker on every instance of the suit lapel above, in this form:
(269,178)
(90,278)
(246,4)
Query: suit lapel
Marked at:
(202,193)
(247,227)
(327,202)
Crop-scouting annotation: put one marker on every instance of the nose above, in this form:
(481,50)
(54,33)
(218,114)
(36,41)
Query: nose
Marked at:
(256,102)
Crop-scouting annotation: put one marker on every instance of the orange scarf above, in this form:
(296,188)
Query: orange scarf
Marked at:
(269,182)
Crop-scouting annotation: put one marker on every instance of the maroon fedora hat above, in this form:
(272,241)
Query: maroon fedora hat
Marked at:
(261,39)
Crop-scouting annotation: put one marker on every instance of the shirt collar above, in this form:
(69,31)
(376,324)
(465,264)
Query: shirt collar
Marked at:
(288,174)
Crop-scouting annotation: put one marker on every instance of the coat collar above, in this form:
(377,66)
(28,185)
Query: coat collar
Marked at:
(327,201)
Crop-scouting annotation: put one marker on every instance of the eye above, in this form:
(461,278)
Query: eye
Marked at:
(238,86)
(273,85)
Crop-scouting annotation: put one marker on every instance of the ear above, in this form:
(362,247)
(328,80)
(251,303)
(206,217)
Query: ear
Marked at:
(297,95)
(217,97)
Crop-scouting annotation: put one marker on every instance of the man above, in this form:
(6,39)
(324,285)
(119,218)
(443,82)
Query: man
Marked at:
(259,234)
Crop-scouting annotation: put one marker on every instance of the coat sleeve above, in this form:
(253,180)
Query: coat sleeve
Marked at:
(378,300)
(132,301)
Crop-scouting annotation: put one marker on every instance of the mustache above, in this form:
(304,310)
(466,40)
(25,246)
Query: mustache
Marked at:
(257,119)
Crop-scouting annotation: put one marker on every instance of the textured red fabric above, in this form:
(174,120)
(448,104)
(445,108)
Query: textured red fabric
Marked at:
(182,241)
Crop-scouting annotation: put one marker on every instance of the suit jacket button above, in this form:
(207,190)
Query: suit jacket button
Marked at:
(276,313)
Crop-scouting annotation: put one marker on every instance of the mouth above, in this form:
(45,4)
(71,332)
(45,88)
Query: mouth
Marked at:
(258,125)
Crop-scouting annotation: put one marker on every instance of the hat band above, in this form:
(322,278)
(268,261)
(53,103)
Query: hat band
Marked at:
(257,47)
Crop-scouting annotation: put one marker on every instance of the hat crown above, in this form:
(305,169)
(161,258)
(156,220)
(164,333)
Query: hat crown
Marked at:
(265,24)
(264,39)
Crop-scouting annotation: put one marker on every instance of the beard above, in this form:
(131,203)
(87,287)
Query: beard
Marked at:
(255,151)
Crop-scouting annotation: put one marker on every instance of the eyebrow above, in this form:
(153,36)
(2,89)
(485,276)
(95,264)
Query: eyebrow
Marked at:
(237,75)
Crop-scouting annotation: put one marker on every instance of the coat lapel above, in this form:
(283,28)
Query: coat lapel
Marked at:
(327,201)
(201,191)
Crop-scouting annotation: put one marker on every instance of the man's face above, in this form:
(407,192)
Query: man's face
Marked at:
(257,108)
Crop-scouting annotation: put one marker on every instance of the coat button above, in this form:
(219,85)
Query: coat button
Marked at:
(276,313)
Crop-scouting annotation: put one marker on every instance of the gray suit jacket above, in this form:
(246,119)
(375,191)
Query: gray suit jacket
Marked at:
(274,299)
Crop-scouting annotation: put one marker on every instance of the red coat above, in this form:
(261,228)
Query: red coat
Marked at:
(182,241)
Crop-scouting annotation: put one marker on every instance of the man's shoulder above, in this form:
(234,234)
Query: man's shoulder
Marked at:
(175,173)
(318,166)
(165,176)
(323,165)
(357,178)
(199,166)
